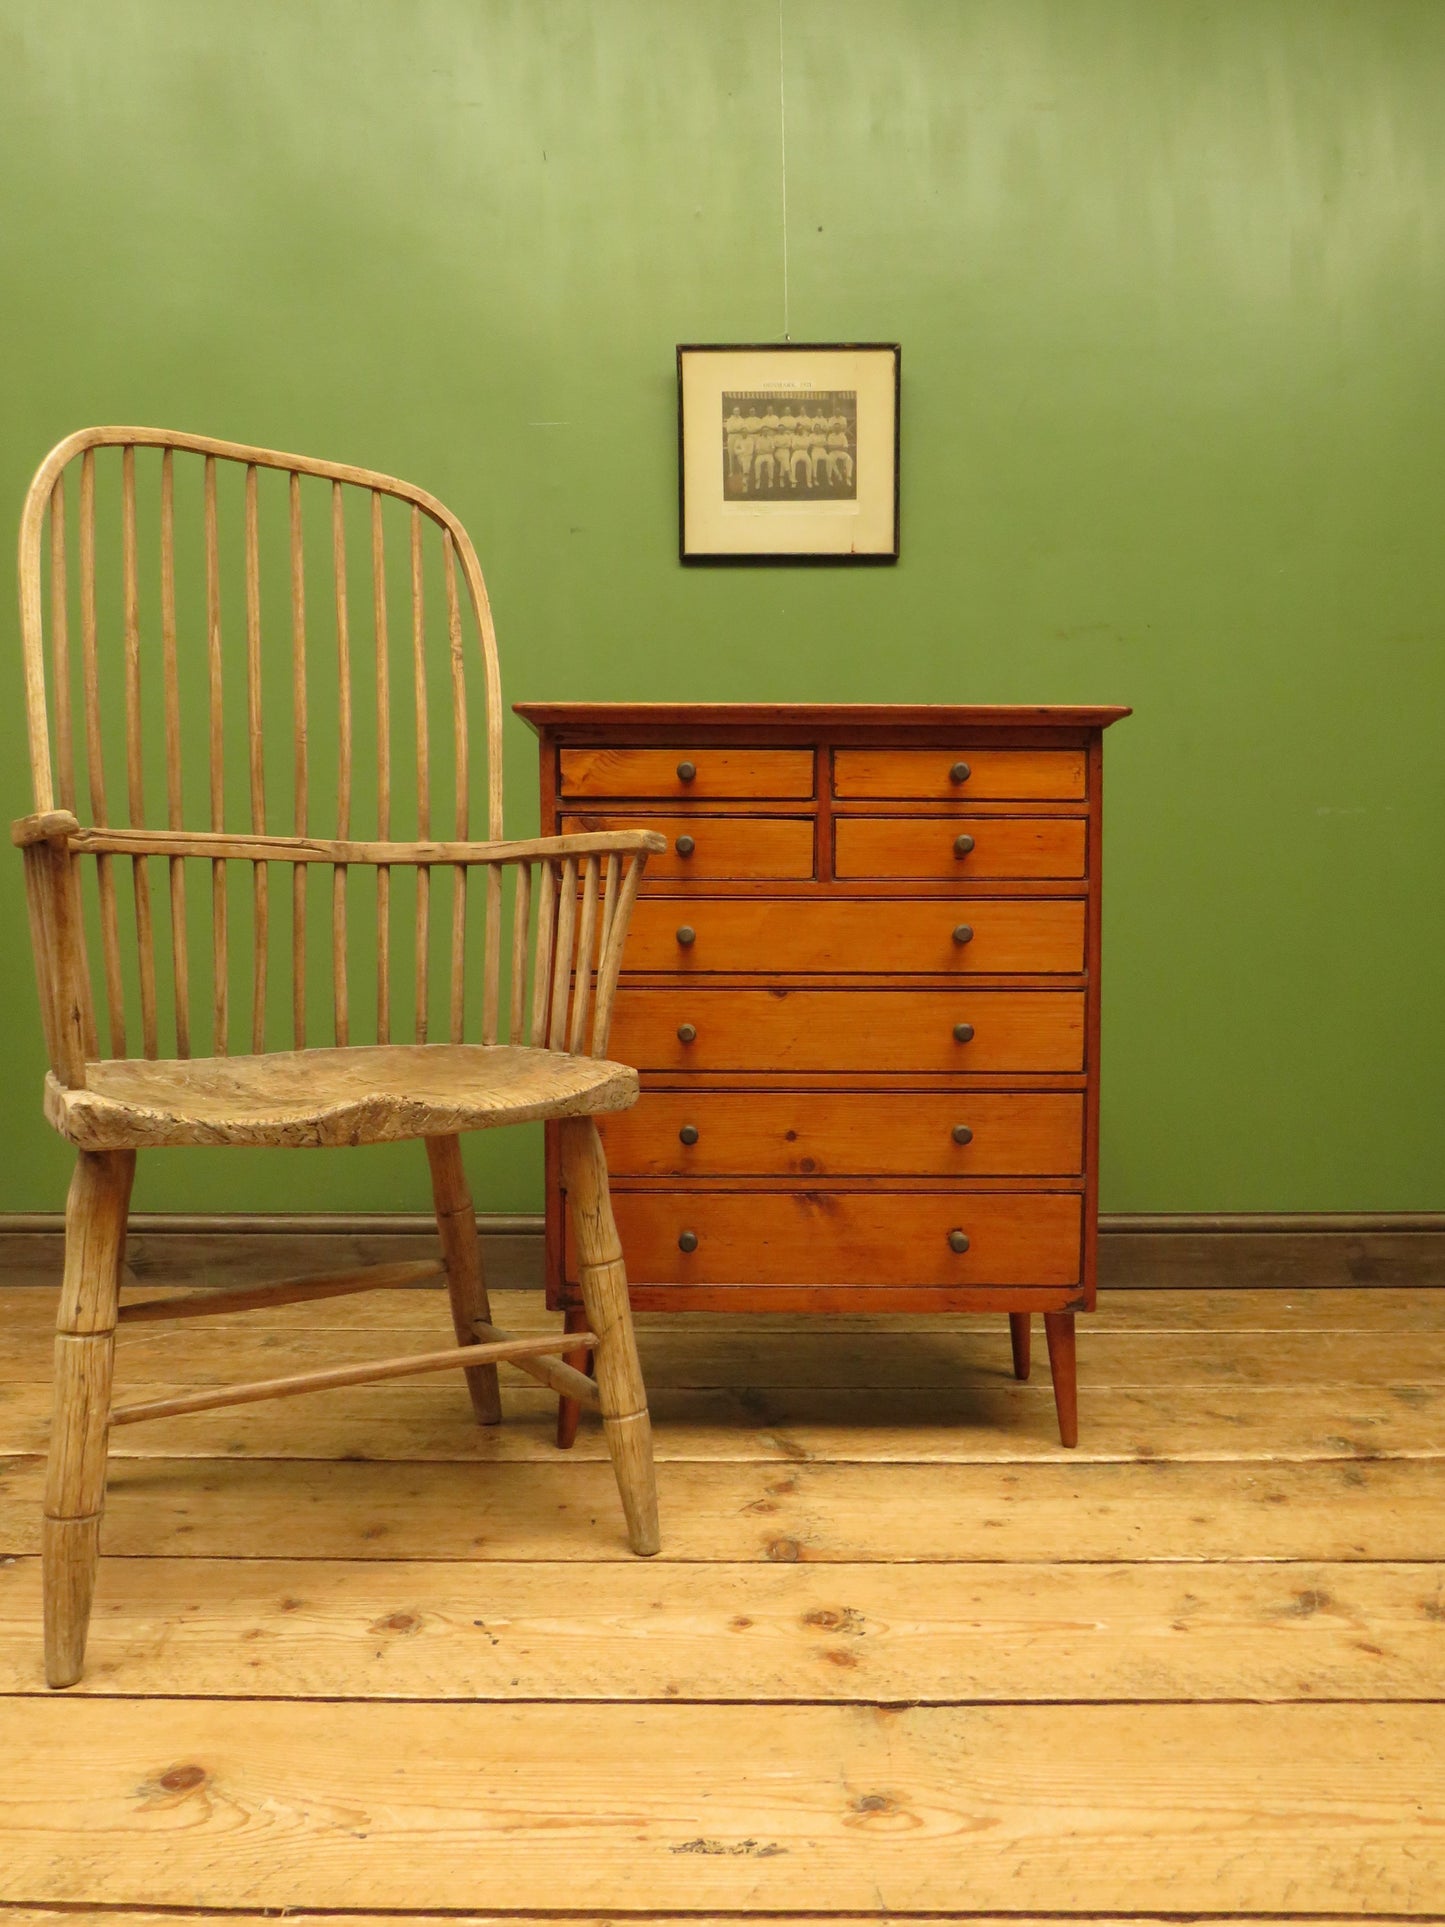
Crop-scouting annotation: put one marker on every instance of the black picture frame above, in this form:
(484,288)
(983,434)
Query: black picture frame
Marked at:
(820,479)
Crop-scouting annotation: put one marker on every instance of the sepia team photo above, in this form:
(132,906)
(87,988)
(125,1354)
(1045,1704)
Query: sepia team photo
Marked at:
(785,446)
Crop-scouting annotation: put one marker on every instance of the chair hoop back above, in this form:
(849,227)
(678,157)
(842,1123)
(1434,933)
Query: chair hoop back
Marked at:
(257,631)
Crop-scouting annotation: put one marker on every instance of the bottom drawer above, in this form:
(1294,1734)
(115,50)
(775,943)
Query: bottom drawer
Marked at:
(847,1238)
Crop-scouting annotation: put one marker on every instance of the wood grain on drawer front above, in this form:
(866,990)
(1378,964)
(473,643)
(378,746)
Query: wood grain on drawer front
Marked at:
(716,772)
(1055,774)
(985,935)
(724,848)
(843,1238)
(929,847)
(847,1134)
(848,1030)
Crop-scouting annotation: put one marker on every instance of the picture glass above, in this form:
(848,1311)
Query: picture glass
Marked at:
(789,452)
(784,447)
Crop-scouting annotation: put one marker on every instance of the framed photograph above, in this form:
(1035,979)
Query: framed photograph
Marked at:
(788,454)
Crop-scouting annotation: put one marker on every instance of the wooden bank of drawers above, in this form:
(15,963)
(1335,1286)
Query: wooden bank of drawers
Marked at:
(861,986)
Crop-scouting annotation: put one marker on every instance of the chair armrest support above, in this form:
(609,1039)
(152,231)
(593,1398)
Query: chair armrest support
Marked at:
(53,898)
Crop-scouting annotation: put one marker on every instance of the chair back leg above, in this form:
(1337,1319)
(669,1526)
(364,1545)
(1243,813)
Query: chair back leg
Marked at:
(569,1410)
(462,1254)
(95,1218)
(603,1279)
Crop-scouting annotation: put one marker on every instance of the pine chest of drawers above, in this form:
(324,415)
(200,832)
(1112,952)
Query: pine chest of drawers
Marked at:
(862,990)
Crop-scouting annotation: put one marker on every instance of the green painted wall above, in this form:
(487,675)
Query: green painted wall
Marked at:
(1169,284)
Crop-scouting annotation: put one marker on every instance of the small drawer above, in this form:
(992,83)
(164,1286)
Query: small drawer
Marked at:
(959,775)
(956,849)
(983,936)
(686,775)
(713,848)
(848,1238)
(694,1028)
(677,1134)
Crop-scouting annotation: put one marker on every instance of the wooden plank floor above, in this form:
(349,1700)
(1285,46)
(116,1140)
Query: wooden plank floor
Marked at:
(901,1657)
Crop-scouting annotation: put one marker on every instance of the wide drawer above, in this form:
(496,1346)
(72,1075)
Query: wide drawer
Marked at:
(713,848)
(960,1031)
(843,1238)
(847,1134)
(958,848)
(664,772)
(986,935)
(956,775)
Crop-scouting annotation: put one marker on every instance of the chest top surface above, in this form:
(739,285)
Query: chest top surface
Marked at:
(803,719)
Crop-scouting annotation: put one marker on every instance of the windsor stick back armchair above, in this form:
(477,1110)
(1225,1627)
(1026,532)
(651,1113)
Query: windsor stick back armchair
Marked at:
(221,662)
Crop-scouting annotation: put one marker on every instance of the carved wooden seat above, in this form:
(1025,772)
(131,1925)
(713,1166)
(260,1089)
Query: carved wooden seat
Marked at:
(367,1094)
(170,563)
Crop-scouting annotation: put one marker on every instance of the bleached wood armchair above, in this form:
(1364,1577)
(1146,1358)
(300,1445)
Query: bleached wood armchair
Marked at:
(202,675)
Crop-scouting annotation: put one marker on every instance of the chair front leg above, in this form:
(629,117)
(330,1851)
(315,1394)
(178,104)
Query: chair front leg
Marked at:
(95,1218)
(603,1279)
(462,1255)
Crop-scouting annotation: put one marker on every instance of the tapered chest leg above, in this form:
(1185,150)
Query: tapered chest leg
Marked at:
(603,1279)
(462,1255)
(95,1216)
(1059,1331)
(1020,1334)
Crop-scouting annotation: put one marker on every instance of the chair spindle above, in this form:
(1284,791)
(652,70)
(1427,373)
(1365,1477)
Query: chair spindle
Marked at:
(175,809)
(340,989)
(562,956)
(423,779)
(95,760)
(299,774)
(220,954)
(462,819)
(383,772)
(542,951)
(260,893)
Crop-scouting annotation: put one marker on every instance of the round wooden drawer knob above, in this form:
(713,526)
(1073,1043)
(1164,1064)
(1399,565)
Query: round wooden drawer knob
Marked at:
(684,846)
(962,1134)
(686,772)
(958,1241)
(687,1033)
(960,773)
(963,1033)
(687,1241)
(688,1134)
(686,935)
(963,933)
(962,844)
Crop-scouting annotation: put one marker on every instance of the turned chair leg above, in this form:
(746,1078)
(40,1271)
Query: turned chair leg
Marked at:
(1020,1330)
(569,1411)
(1059,1331)
(95,1215)
(609,1315)
(462,1256)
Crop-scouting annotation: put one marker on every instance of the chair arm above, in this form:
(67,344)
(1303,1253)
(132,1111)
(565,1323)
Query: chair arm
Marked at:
(596,843)
(239,846)
(45,826)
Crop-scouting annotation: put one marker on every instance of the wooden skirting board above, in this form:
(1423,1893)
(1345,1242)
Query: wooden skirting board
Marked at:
(1138,1251)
